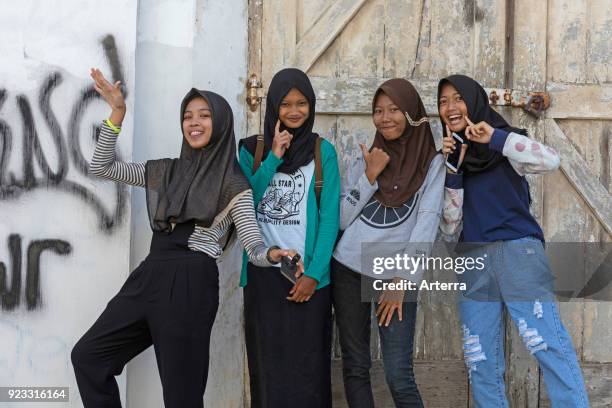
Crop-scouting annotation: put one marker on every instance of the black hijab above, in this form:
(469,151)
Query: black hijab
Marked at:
(202,182)
(478,156)
(301,150)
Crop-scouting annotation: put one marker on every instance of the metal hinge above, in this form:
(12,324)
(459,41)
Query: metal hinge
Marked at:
(533,103)
(254,95)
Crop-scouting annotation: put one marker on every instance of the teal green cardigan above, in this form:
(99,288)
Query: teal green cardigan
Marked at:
(321,224)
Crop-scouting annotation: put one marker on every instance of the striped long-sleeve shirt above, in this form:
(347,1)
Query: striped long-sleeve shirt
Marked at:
(207,240)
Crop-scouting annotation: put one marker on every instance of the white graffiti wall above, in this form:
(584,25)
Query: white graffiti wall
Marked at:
(64,235)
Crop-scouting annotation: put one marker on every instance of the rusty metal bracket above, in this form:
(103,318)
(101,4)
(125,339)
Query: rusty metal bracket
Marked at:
(536,103)
(253,92)
(533,103)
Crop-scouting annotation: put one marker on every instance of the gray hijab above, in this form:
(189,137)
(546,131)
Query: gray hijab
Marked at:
(201,182)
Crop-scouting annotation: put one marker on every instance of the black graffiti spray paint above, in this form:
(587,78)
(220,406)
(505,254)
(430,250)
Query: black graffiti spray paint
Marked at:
(35,250)
(6,143)
(67,149)
(11,297)
(33,154)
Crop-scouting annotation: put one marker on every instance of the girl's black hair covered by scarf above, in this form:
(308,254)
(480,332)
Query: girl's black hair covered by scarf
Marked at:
(301,150)
(201,183)
(478,156)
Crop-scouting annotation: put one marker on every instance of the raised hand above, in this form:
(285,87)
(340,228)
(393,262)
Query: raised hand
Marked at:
(111,93)
(376,161)
(480,132)
(281,141)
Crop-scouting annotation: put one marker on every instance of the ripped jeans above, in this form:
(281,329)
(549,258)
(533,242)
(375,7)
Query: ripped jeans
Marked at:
(516,275)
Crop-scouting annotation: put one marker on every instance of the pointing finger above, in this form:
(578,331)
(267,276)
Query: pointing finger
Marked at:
(468,132)
(481,127)
(476,131)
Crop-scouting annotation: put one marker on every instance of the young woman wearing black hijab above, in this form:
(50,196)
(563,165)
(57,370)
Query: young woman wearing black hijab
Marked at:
(487,201)
(171,299)
(288,326)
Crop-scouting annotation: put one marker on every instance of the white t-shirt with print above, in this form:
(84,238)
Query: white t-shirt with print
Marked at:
(281,213)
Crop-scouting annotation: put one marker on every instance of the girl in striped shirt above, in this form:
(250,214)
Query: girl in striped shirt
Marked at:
(171,299)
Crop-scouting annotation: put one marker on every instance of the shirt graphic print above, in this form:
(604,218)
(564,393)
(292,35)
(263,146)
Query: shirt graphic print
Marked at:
(281,213)
(377,215)
(283,198)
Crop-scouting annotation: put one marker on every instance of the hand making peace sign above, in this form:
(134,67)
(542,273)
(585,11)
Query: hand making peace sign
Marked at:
(480,132)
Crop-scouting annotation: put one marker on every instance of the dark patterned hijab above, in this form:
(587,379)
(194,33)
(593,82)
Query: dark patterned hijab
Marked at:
(301,150)
(478,156)
(410,154)
(201,183)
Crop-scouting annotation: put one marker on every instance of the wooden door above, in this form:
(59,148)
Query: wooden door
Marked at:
(349,47)
(563,46)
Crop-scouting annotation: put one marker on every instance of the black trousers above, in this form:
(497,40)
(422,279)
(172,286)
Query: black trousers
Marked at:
(288,343)
(353,318)
(169,302)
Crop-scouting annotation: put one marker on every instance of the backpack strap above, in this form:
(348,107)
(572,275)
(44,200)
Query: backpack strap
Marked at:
(318,170)
(259,149)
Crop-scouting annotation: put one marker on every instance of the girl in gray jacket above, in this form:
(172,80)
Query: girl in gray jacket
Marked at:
(394,193)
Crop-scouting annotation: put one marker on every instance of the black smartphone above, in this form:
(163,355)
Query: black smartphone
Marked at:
(289,266)
(452,160)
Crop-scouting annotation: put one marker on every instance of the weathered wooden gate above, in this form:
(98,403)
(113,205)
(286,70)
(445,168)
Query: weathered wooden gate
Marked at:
(349,47)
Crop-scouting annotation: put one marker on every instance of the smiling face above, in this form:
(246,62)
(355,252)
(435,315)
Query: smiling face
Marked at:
(197,123)
(294,109)
(388,118)
(452,108)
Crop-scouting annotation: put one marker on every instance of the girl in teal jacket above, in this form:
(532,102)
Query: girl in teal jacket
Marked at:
(288,325)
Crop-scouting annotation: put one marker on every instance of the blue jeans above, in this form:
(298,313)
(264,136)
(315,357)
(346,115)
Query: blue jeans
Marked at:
(353,318)
(516,275)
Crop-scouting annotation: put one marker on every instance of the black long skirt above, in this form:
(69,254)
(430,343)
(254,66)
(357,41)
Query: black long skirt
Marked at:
(288,343)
